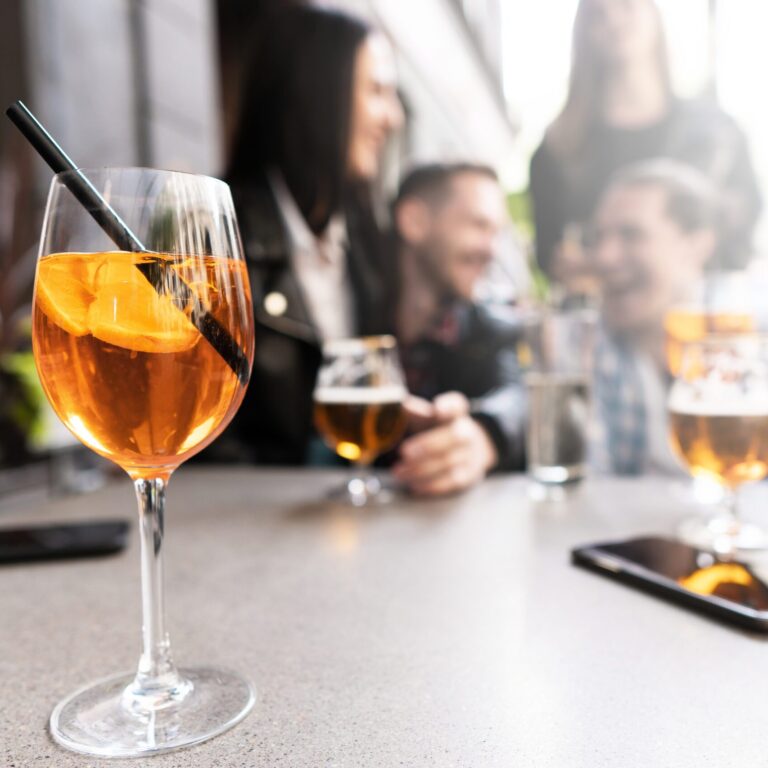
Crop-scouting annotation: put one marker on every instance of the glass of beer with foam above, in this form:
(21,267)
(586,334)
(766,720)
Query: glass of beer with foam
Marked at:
(359,410)
(718,408)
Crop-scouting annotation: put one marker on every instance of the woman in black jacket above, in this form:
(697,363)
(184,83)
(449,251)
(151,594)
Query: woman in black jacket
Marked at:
(319,106)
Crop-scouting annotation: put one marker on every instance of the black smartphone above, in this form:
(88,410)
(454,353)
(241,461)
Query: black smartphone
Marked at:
(56,542)
(729,590)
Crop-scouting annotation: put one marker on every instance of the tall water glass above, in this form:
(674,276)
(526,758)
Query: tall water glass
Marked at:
(560,346)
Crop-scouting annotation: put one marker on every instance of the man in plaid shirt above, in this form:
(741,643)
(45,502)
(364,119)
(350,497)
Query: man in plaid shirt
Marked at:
(653,234)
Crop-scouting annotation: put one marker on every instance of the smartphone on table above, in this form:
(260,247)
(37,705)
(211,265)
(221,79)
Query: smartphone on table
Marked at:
(726,589)
(61,541)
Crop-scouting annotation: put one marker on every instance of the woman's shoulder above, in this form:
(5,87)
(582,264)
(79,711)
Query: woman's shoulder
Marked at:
(702,114)
(546,163)
(705,134)
(543,153)
(252,191)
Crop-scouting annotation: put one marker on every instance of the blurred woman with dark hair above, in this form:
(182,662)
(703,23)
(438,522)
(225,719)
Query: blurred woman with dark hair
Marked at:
(318,109)
(620,109)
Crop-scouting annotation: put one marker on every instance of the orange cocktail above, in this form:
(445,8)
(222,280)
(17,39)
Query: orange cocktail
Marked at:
(122,364)
(143,339)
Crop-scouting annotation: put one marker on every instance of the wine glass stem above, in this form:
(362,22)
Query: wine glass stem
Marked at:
(157,681)
(361,470)
(731,505)
(363,485)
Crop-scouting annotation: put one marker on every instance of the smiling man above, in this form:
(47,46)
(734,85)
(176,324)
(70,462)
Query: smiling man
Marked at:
(459,355)
(653,234)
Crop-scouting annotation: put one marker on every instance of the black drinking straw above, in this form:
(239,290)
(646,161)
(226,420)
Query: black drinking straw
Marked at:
(165,281)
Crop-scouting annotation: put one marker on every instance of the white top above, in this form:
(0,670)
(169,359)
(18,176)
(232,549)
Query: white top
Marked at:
(320,266)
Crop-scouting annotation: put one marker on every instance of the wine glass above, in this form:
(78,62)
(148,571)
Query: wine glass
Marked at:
(718,408)
(145,355)
(359,411)
(721,303)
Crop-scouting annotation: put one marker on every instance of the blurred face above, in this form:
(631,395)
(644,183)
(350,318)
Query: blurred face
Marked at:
(644,260)
(376,108)
(457,237)
(622,30)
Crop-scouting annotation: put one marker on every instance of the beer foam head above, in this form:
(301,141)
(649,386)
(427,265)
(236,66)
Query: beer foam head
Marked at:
(391,393)
(358,346)
(728,403)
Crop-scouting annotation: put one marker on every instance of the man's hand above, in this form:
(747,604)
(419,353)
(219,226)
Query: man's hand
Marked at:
(450,453)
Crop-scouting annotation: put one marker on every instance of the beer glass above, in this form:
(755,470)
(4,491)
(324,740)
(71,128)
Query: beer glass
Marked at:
(145,356)
(722,303)
(718,408)
(359,410)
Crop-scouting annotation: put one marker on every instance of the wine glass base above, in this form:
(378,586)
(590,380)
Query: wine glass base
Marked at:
(362,492)
(723,535)
(95,721)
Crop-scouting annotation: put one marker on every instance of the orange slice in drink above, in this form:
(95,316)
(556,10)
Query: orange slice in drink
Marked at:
(106,295)
(64,291)
(128,312)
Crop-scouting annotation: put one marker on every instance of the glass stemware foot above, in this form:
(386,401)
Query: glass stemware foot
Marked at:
(107,719)
(723,535)
(363,490)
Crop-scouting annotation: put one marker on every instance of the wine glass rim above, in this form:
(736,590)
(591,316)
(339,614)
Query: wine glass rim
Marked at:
(91,171)
(724,339)
(359,345)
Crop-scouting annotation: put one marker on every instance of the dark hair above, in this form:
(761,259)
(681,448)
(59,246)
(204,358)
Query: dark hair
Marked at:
(296,109)
(570,130)
(693,202)
(431,181)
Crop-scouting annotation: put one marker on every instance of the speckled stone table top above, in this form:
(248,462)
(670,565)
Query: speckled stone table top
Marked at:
(443,633)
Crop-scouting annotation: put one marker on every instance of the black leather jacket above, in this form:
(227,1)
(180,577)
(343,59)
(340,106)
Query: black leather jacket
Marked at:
(274,423)
(481,362)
